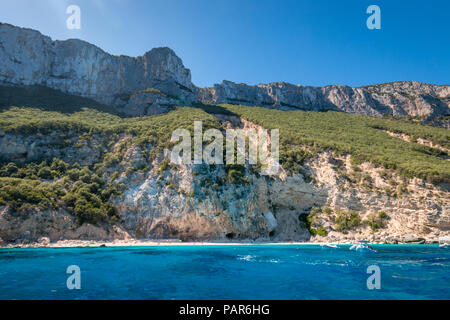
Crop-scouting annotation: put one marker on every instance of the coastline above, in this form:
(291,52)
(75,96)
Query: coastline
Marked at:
(163,242)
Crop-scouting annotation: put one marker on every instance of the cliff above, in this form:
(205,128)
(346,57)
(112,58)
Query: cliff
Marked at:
(80,68)
(70,172)
(93,176)
(157,81)
(398,98)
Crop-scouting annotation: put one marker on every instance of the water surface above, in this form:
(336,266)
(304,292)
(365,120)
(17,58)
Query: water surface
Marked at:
(226,272)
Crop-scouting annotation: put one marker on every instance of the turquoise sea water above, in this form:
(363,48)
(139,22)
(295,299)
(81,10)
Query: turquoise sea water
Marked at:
(226,272)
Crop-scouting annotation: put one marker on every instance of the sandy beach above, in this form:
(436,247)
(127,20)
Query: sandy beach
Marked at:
(148,243)
(154,243)
(142,243)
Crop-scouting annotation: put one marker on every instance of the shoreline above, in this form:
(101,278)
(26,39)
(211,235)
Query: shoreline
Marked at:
(158,243)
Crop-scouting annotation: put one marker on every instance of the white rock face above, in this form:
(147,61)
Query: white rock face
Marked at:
(50,226)
(423,212)
(198,203)
(80,68)
(271,209)
(398,98)
(270,220)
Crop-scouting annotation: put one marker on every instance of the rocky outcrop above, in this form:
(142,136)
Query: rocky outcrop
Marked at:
(80,68)
(413,207)
(45,226)
(156,81)
(398,98)
(22,148)
(198,202)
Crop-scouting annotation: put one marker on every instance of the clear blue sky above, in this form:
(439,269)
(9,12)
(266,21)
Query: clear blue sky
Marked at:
(309,42)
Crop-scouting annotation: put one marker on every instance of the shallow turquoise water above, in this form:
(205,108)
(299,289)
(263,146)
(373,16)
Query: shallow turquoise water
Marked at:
(225,272)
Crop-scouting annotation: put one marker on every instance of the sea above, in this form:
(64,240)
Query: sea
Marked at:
(226,272)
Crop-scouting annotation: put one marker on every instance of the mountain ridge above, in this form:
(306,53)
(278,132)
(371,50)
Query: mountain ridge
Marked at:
(157,81)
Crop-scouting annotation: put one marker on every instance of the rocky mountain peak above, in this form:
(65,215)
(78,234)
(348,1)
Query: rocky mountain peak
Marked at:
(163,64)
(80,68)
(158,80)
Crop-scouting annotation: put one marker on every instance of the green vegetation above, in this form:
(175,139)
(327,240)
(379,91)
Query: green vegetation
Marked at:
(163,166)
(293,159)
(345,133)
(236,174)
(58,185)
(149,90)
(311,222)
(22,194)
(327,210)
(84,191)
(154,131)
(376,220)
(214,109)
(46,99)
(320,231)
(361,136)
(347,220)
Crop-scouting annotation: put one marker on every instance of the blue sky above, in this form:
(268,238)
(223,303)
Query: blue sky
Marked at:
(308,42)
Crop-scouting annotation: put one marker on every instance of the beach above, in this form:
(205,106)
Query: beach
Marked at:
(165,242)
(144,243)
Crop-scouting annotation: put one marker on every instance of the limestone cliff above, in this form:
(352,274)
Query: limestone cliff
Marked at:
(80,68)
(330,199)
(398,99)
(156,81)
(199,202)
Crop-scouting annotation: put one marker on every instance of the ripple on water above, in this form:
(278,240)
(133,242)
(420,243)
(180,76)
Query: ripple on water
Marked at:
(200,272)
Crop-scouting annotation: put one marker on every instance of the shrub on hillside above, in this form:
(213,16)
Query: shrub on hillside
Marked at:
(347,220)
(376,220)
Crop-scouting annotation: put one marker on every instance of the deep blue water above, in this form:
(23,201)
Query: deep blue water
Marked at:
(225,272)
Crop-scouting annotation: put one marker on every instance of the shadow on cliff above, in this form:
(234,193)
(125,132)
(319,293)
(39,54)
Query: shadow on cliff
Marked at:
(214,109)
(47,99)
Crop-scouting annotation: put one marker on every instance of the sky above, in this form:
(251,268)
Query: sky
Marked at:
(307,42)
